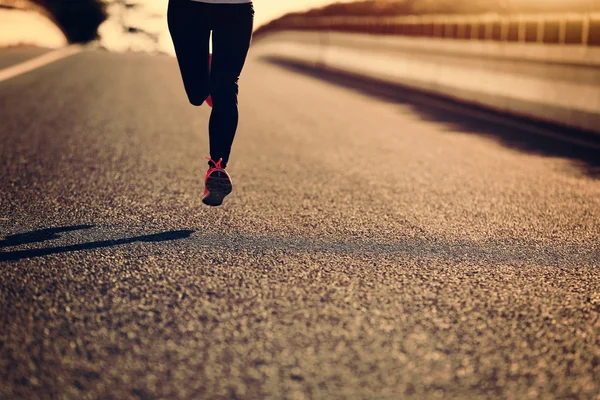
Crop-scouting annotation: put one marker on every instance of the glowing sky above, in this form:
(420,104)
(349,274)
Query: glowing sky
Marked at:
(266,10)
(151,17)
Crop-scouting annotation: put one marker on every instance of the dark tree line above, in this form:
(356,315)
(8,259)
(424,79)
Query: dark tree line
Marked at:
(78,19)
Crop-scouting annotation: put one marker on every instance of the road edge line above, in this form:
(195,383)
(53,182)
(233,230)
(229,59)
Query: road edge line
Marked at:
(38,62)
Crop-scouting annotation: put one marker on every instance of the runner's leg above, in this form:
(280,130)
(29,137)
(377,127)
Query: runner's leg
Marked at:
(232,34)
(189,27)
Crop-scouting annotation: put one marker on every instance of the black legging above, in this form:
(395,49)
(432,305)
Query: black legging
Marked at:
(190,24)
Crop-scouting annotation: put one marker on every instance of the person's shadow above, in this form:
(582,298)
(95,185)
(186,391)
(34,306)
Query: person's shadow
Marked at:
(43,235)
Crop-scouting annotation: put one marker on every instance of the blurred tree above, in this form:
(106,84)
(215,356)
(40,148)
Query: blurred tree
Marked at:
(124,7)
(79,19)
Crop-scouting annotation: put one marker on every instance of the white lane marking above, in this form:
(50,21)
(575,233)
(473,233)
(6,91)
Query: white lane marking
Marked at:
(37,62)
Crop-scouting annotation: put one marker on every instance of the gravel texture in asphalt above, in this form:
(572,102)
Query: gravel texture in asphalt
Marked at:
(371,248)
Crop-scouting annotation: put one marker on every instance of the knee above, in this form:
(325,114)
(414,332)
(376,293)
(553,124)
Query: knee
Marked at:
(223,90)
(198,98)
(196,102)
(197,95)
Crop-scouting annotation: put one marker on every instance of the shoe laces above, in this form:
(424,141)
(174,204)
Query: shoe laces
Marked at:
(217,165)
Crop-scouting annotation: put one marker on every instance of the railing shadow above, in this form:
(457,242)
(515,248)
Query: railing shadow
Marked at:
(446,111)
(43,235)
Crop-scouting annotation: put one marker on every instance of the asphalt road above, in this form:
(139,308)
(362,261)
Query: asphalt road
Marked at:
(375,247)
(14,55)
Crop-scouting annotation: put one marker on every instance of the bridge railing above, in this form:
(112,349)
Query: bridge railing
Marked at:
(561,29)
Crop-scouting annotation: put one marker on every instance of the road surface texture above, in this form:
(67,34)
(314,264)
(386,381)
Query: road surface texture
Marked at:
(14,55)
(375,247)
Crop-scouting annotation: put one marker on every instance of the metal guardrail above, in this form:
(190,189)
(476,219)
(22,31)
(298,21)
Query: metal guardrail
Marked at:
(563,29)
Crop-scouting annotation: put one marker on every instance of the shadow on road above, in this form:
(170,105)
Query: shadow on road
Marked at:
(41,235)
(459,117)
(489,252)
(53,233)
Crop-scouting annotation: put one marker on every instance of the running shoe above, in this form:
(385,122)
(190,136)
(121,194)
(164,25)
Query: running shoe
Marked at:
(217,184)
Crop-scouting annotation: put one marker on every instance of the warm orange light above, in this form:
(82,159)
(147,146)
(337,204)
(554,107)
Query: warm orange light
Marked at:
(27,27)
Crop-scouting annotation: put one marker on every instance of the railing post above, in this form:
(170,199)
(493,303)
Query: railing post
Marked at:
(585,34)
(540,30)
(446,28)
(562,31)
(522,30)
(438,28)
(460,30)
(475,29)
(489,27)
(504,29)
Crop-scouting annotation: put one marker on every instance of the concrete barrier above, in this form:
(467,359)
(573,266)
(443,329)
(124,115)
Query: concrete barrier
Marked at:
(553,83)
